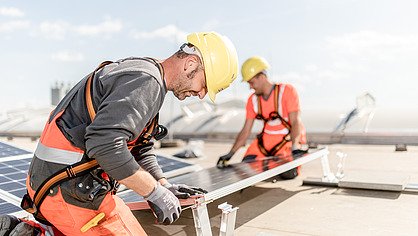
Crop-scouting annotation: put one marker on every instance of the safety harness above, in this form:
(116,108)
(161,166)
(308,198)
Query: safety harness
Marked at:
(152,130)
(273,115)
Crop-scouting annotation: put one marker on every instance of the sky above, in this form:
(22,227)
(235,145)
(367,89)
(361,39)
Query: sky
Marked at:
(331,51)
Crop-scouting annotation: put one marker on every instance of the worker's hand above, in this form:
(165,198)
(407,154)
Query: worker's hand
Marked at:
(223,160)
(183,191)
(298,153)
(164,204)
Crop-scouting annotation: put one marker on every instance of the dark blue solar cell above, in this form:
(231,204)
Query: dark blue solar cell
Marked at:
(16,163)
(10,186)
(7,208)
(3,179)
(5,169)
(19,192)
(13,176)
(168,164)
(7,150)
(16,176)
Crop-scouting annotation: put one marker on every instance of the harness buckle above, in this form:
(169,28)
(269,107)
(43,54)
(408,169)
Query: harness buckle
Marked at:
(162,131)
(70,172)
(273,115)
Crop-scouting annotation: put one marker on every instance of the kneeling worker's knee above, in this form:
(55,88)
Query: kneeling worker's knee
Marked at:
(290,174)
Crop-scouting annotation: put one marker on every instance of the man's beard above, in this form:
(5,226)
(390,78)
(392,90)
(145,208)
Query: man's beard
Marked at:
(258,93)
(180,96)
(183,85)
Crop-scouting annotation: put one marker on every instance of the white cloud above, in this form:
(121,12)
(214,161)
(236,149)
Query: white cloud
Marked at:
(58,30)
(297,79)
(374,45)
(11,11)
(109,26)
(54,30)
(68,56)
(11,26)
(311,67)
(169,32)
(311,75)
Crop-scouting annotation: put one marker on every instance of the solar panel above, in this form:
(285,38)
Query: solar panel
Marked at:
(7,150)
(209,179)
(221,182)
(8,208)
(171,167)
(13,173)
(170,164)
(13,176)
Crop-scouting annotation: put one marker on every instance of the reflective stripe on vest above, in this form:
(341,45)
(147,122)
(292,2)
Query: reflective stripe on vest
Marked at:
(275,122)
(54,147)
(56,155)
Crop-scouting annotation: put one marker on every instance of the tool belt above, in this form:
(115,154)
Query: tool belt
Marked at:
(88,165)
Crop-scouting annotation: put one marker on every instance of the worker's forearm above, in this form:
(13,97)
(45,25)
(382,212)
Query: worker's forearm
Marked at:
(295,134)
(240,141)
(141,182)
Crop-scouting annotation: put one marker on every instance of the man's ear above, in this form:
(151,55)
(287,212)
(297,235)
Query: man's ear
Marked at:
(191,62)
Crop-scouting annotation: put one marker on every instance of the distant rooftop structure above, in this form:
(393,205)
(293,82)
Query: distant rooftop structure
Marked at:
(29,121)
(24,122)
(366,123)
(58,91)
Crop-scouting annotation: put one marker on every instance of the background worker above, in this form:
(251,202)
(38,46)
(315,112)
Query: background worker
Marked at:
(278,106)
(109,117)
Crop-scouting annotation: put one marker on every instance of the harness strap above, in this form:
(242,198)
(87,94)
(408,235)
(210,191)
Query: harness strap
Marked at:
(89,101)
(152,129)
(273,115)
(260,110)
(62,175)
(276,98)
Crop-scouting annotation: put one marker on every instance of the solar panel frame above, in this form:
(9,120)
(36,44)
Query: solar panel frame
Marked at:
(222,182)
(225,189)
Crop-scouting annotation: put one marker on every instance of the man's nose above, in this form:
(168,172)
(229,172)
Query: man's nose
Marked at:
(202,93)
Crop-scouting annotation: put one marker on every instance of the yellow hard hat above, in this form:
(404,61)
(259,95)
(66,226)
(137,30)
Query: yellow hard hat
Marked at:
(219,59)
(252,66)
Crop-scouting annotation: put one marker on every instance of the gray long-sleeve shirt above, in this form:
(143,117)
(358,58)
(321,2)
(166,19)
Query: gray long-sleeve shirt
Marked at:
(130,99)
(126,95)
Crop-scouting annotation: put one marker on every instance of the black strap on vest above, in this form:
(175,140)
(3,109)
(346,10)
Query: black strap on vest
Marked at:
(273,115)
(153,129)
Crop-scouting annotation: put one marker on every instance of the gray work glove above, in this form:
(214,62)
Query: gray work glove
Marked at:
(164,204)
(183,191)
(7,224)
(223,160)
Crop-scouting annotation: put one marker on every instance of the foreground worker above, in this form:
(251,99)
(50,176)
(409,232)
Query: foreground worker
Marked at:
(100,135)
(278,106)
